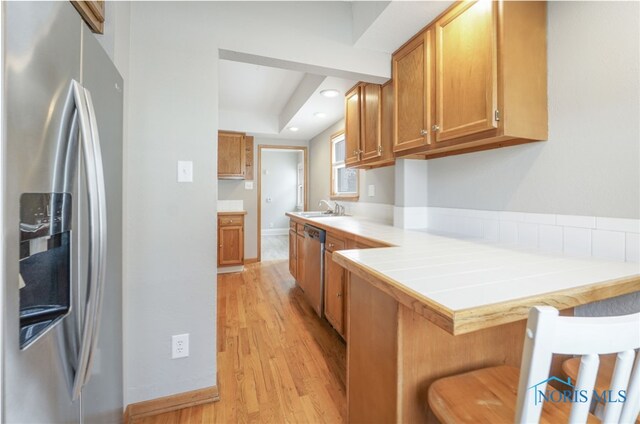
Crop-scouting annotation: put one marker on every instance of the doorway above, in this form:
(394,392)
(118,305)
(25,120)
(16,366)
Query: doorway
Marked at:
(283,186)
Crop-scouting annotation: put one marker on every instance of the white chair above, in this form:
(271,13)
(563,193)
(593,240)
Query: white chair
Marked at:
(490,394)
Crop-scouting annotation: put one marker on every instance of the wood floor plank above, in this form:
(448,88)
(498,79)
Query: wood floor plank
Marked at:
(277,361)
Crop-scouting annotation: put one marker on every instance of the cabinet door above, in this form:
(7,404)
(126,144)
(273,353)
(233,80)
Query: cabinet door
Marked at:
(413,93)
(386,124)
(466,78)
(92,13)
(230,246)
(300,260)
(352,126)
(231,155)
(292,253)
(370,118)
(334,293)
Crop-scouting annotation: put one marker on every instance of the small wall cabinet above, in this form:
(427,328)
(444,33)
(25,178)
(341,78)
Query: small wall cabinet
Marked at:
(474,79)
(92,13)
(231,155)
(230,238)
(368,126)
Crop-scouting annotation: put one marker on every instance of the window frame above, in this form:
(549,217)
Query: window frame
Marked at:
(333,166)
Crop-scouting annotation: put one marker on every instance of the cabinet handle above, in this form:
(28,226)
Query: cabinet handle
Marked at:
(424,132)
(331,245)
(339,294)
(435,128)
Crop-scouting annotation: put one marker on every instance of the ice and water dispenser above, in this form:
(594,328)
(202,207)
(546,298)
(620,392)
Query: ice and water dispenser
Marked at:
(45,262)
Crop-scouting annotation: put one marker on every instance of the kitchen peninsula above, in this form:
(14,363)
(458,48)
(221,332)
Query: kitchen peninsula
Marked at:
(431,305)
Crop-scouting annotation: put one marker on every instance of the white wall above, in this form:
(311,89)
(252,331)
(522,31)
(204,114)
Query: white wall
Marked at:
(279,178)
(171,227)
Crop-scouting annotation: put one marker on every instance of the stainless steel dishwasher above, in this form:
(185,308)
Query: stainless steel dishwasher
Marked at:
(313,281)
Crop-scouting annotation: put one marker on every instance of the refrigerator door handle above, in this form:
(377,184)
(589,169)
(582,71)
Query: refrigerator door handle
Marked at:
(102,232)
(94,239)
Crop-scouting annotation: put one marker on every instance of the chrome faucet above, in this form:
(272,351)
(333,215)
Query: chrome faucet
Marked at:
(329,208)
(338,209)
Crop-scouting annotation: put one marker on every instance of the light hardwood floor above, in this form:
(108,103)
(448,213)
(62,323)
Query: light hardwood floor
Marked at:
(275,247)
(277,361)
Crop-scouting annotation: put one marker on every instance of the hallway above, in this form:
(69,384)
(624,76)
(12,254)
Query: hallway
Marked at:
(277,361)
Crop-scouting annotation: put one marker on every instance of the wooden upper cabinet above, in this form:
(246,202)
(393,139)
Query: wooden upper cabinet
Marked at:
(231,155)
(475,79)
(370,117)
(92,13)
(466,77)
(369,125)
(352,126)
(413,97)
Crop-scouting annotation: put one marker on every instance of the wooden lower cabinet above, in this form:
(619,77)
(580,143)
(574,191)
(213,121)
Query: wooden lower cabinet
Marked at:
(230,239)
(293,253)
(334,293)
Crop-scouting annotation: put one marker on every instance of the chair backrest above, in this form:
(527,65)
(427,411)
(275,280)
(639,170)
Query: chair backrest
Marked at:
(548,333)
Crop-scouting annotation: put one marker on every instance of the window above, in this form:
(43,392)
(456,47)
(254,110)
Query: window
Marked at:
(344,181)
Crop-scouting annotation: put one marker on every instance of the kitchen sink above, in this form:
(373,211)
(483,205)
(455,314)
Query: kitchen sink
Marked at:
(316,214)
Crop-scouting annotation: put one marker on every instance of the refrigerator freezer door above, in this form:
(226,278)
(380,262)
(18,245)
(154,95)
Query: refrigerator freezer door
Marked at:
(42,56)
(102,396)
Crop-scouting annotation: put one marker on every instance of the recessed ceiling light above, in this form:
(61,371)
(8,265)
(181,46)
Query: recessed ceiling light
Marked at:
(331,92)
(320,115)
(294,129)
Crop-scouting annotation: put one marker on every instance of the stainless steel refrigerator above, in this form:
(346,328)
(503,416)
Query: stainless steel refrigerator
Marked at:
(61,214)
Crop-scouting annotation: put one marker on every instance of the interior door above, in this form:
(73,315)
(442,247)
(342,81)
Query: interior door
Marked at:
(466,78)
(352,126)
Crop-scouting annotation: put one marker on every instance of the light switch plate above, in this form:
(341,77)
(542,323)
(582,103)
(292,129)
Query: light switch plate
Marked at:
(372,190)
(248,185)
(185,171)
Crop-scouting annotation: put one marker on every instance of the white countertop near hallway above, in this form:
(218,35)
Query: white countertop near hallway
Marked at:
(461,274)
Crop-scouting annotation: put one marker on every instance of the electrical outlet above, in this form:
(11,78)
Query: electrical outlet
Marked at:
(179,346)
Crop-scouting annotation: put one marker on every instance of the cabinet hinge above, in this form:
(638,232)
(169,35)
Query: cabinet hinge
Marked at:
(496,115)
(379,150)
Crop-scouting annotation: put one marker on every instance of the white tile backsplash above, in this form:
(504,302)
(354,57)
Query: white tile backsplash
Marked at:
(551,238)
(608,245)
(576,221)
(606,238)
(632,247)
(491,230)
(618,224)
(528,235)
(508,232)
(230,205)
(577,241)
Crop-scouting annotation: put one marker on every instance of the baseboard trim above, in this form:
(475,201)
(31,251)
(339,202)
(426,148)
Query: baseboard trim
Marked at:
(250,261)
(170,403)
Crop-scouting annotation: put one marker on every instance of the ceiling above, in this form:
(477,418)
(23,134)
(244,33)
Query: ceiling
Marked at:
(269,100)
(254,88)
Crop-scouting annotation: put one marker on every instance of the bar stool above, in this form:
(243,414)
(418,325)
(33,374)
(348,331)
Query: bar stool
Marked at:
(492,395)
